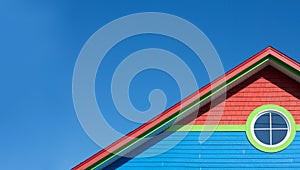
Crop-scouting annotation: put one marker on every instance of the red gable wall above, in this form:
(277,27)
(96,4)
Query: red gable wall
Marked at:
(269,86)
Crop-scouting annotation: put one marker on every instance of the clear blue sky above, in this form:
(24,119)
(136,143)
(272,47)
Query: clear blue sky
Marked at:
(40,42)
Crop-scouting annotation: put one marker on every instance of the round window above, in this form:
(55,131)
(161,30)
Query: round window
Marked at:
(270,128)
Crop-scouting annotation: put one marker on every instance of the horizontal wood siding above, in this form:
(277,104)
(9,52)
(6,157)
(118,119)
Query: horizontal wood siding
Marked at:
(222,150)
(269,86)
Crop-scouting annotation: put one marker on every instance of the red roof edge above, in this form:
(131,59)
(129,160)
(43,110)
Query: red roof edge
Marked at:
(207,88)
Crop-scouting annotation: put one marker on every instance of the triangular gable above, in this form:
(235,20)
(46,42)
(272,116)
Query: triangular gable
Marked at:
(268,86)
(268,56)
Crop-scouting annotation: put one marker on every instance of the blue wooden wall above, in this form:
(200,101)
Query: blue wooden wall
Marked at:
(223,150)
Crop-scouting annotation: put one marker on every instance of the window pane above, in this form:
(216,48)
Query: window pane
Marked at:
(263,121)
(278,121)
(263,136)
(278,136)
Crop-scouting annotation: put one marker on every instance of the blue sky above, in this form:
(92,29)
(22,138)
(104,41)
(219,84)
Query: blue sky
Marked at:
(40,42)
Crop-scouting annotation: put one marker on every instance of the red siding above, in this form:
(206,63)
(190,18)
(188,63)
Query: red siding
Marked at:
(268,86)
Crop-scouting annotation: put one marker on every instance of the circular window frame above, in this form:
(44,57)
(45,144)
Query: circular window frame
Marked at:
(270,148)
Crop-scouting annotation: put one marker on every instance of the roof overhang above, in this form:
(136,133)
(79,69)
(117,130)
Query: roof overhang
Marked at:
(267,57)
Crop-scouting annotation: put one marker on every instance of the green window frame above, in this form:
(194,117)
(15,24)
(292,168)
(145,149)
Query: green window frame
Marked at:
(263,110)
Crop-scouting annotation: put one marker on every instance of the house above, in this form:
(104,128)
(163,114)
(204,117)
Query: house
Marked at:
(247,118)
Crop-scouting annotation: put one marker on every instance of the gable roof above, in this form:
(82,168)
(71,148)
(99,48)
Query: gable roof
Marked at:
(268,56)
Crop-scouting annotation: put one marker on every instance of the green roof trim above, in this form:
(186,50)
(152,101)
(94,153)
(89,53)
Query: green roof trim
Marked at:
(207,128)
(211,128)
(191,105)
(283,64)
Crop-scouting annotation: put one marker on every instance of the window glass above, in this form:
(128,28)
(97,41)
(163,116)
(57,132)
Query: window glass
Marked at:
(263,136)
(278,136)
(270,128)
(278,121)
(263,121)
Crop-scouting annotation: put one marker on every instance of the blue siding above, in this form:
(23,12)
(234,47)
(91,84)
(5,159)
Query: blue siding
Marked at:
(222,150)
